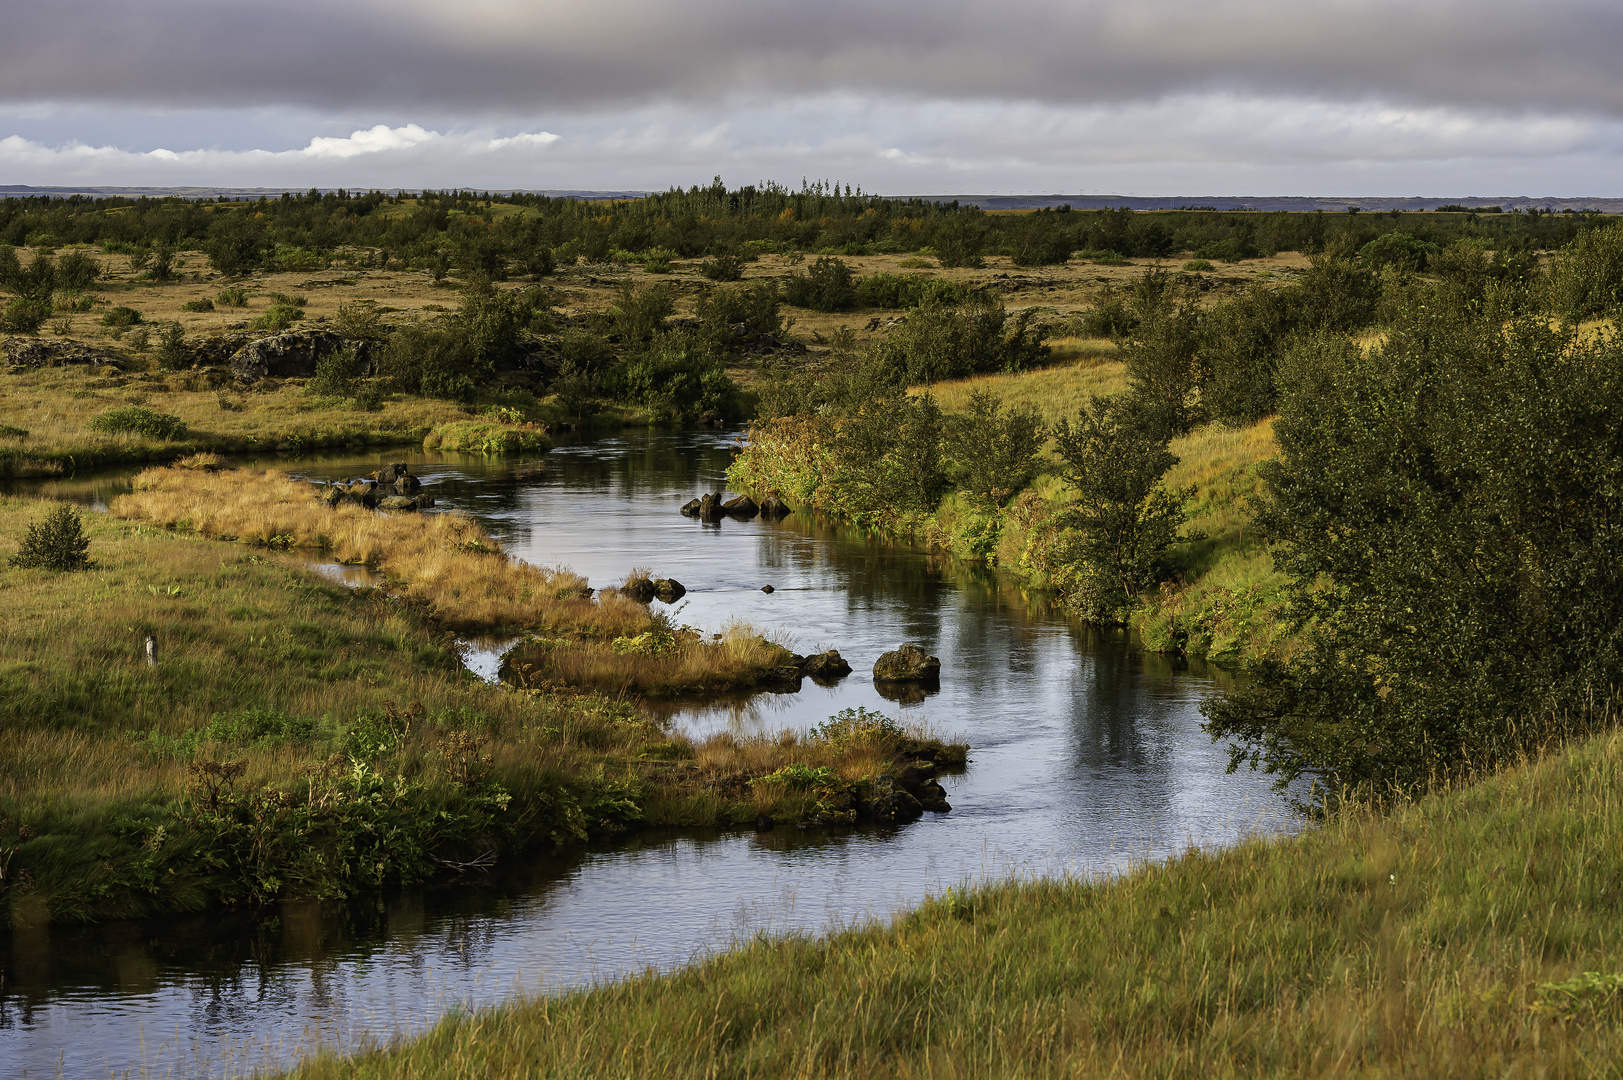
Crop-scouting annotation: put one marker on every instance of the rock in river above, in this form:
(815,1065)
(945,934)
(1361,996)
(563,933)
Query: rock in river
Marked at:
(909,663)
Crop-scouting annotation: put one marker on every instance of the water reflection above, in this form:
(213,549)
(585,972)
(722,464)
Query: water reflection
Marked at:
(1087,756)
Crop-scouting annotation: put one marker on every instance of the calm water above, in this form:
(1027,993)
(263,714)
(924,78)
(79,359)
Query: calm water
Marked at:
(1086,758)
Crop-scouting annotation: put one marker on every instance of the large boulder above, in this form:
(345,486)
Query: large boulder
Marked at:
(397,502)
(882,799)
(773,508)
(710,507)
(284,356)
(32,352)
(907,664)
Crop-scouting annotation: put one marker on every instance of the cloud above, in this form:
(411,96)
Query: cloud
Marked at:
(521,57)
(1213,143)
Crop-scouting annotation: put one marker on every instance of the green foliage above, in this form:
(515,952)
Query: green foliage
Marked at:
(638,314)
(140,420)
(978,336)
(959,239)
(827,285)
(339,374)
(1586,279)
(1398,249)
(908,290)
(1446,506)
(121,316)
(235,297)
(237,243)
(1112,318)
(992,452)
(1124,516)
(204,304)
(723,267)
(278,317)
(675,377)
(359,322)
(433,359)
(733,315)
(1045,238)
(1163,357)
(173,352)
(856,723)
(1198,266)
(57,543)
(24,316)
(36,281)
(77,270)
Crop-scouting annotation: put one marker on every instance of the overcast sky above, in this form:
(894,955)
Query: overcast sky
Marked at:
(1151,97)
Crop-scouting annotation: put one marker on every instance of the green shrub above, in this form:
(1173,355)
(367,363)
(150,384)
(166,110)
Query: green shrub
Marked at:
(278,317)
(1163,357)
(676,378)
(1230,250)
(36,281)
(585,352)
(236,297)
(77,270)
(733,314)
(723,267)
(1199,266)
(1401,250)
(140,420)
(24,316)
(433,359)
(658,260)
(57,543)
(173,352)
(992,452)
(205,304)
(827,285)
(121,316)
(237,242)
(952,342)
(908,290)
(338,374)
(1586,278)
(1111,319)
(359,322)
(638,314)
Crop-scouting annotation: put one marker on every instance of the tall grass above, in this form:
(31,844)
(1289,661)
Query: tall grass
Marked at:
(1447,938)
(445,562)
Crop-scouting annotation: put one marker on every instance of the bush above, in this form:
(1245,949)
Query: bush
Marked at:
(675,378)
(1397,249)
(338,374)
(237,243)
(908,290)
(940,342)
(205,304)
(173,352)
(638,314)
(724,267)
(1586,278)
(992,452)
(731,315)
(359,322)
(140,420)
(1163,357)
(1111,319)
(24,316)
(278,317)
(658,260)
(121,316)
(1198,266)
(584,352)
(57,543)
(36,281)
(958,240)
(77,270)
(236,297)
(827,285)
(1124,516)
(434,360)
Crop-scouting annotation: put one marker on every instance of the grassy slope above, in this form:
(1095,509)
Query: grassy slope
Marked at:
(1223,609)
(98,752)
(1418,943)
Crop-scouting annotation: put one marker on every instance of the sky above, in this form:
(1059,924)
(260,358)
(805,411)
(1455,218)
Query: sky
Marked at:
(1133,97)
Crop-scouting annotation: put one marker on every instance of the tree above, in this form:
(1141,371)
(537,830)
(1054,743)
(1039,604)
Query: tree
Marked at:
(56,543)
(1125,517)
(1449,508)
(993,451)
(1163,357)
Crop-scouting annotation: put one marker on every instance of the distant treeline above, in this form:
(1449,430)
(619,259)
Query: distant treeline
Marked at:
(527,235)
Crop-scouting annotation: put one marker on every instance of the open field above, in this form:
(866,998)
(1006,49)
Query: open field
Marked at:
(1469,934)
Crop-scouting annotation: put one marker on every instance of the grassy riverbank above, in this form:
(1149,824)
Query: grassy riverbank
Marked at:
(1469,934)
(1223,605)
(300,738)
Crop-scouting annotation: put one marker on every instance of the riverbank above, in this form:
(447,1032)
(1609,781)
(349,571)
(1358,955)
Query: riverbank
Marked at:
(297,738)
(1467,934)
(1224,606)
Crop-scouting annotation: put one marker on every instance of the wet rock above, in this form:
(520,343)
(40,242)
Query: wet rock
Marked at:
(424,502)
(882,799)
(764,823)
(669,590)
(407,485)
(768,589)
(640,589)
(710,507)
(784,679)
(332,495)
(284,356)
(825,666)
(691,508)
(918,779)
(773,508)
(390,473)
(397,502)
(906,693)
(742,507)
(907,664)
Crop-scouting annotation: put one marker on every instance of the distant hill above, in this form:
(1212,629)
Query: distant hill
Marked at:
(1337,204)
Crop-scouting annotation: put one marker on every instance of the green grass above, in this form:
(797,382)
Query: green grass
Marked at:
(1445,938)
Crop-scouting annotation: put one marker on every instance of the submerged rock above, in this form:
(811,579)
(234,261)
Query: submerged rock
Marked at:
(669,590)
(741,507)
(773,508)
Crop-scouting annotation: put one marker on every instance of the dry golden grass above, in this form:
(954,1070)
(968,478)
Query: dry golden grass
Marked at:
(1056,392)
(444,562)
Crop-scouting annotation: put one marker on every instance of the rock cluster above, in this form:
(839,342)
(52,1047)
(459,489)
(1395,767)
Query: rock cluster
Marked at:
(644,590)
(886,799)
(824,668)
(285,356)
(709,507)
(32,352)
(392,487)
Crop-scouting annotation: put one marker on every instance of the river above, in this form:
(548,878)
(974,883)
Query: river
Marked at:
(1087,757)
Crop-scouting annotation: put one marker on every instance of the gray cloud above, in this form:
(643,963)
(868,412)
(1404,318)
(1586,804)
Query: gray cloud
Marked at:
(505,57)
